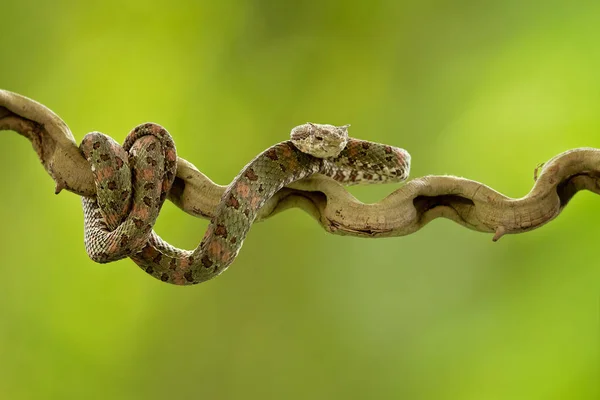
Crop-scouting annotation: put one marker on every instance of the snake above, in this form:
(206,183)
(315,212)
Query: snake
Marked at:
(133,180)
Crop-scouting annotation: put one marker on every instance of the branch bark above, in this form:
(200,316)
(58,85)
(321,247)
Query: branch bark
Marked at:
(406,210)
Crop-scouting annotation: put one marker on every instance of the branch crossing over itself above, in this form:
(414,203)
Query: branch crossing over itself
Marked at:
(469,203)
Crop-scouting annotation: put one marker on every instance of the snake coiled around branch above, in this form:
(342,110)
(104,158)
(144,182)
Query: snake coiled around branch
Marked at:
(404,211)
(132,183)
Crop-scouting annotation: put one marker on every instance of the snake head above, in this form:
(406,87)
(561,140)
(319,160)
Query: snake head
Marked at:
(320,140)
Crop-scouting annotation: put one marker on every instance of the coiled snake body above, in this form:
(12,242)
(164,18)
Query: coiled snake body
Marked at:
(132,183)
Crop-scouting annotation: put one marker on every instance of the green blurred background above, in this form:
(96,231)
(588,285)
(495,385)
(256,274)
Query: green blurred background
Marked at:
(485,91)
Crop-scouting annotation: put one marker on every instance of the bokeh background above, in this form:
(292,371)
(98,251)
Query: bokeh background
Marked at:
(485,90)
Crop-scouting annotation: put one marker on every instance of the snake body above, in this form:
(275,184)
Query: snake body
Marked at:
(132,183)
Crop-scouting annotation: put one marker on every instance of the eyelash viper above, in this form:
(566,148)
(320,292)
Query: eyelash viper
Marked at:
(132,182)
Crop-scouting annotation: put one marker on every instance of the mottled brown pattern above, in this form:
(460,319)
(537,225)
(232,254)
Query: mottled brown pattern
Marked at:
(251,175)
(271,154)
(221,231)
(232,202)
(131,190)
(206,262)
(105,237)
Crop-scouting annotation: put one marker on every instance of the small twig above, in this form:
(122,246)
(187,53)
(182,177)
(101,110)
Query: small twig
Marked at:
(406,210)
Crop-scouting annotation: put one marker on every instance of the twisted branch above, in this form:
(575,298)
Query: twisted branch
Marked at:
(406,210)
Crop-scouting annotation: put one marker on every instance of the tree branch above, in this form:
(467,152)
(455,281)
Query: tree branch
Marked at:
(406,210)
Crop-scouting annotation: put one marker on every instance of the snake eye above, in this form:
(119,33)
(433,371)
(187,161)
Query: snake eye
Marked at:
(319,137)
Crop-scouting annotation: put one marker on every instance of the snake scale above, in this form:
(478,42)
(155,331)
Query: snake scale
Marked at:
(132,182)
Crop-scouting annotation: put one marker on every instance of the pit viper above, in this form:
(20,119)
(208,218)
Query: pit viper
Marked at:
(132,182)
